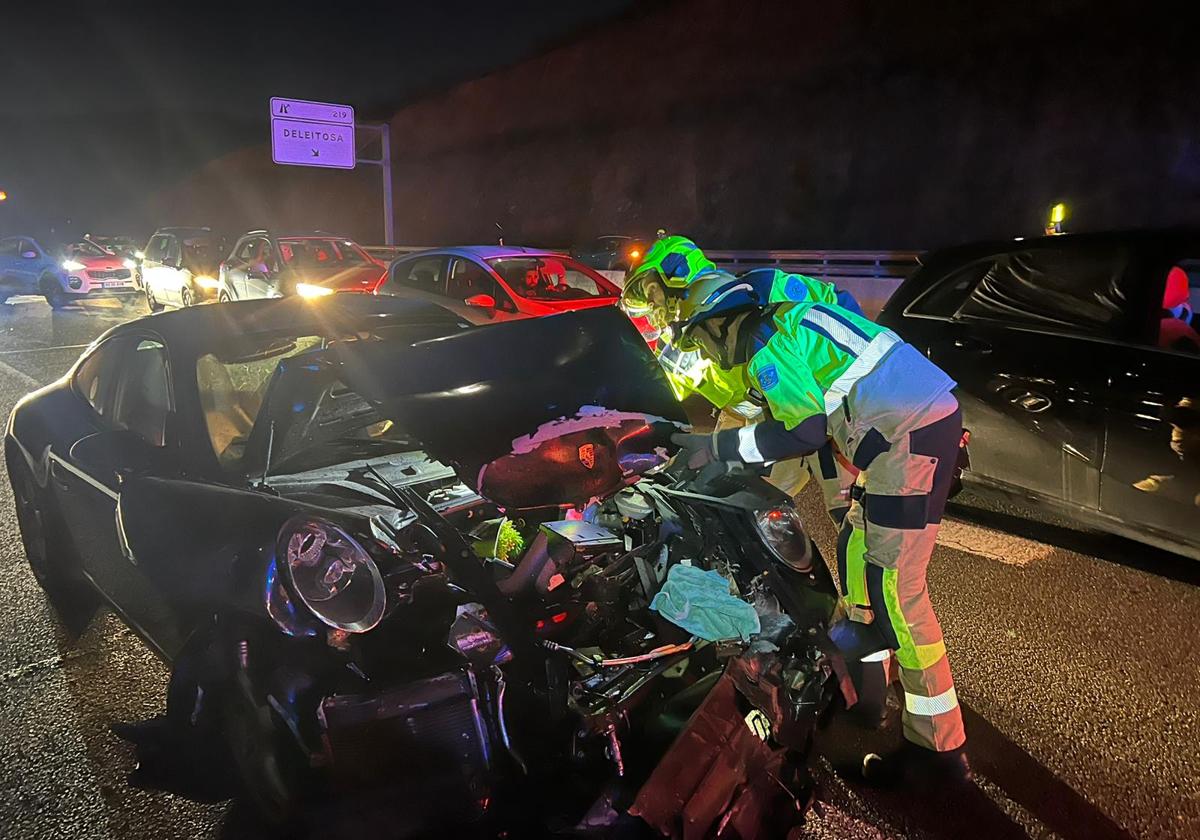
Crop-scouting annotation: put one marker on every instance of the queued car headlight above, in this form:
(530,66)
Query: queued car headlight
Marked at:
(130,264)
(308,290)
(206,282)
(783,533)
(331,573)
(73,265)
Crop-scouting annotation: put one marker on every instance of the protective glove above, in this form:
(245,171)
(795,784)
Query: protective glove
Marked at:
(698,449)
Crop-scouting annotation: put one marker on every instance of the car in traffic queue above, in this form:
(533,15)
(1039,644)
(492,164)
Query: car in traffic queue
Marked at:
(180,267)
(614,253)
(346,524)
(62,274)
(1078,367)
(489,283)
(266,265)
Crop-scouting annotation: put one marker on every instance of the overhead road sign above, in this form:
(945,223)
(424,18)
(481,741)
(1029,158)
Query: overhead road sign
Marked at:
(307,133)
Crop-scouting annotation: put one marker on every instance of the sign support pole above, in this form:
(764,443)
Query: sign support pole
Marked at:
(385,165)
(389,220)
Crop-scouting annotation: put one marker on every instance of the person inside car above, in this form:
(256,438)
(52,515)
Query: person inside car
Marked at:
(1175,330)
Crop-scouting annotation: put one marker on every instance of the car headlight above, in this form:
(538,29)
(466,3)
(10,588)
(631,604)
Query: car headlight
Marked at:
(206,282)
(73,265)
(130,264)
(331,574)
(308,290)
(783,533)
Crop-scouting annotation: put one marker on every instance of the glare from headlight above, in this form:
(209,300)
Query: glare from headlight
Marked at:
(308,290)
(141,255)
(331,574)
(783,533)
(130,264)
(206,282)
(73,265)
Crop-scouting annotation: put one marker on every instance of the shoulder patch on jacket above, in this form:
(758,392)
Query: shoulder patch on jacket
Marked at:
(768,377)
(795,289)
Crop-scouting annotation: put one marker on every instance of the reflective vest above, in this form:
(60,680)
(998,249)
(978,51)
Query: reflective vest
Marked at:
(817,358)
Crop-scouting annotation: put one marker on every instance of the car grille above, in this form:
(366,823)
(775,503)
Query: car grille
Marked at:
(113,274)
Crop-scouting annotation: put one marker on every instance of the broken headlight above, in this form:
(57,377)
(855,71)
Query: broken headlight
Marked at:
(783,533)
(331,574)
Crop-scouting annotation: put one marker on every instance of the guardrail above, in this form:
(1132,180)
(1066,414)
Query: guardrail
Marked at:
(871,276)
(866,264)
(889,264)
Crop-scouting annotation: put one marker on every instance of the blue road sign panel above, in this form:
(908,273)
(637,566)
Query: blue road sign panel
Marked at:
(312,133)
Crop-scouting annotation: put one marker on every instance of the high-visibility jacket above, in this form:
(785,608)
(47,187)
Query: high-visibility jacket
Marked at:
(817,359)
(692,373)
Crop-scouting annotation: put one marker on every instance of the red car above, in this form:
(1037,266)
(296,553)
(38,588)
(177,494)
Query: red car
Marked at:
(488,283)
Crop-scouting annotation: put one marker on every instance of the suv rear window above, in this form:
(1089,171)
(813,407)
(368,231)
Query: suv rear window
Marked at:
(1077,290)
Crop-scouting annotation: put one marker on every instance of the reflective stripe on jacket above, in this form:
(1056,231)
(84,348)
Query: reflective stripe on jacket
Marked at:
(818,358)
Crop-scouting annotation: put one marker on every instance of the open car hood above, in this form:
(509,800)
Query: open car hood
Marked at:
(530,413)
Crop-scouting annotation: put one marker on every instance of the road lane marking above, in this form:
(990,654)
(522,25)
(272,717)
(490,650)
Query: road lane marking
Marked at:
(994,545)
(19,375)
(44,349)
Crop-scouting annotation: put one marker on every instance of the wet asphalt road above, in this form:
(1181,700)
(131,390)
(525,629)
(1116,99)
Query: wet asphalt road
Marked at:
(1075,656)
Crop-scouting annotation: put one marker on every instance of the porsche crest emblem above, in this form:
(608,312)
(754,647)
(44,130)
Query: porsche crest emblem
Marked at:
(587,455)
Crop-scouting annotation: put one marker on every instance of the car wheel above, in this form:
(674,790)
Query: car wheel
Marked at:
(154,305)
(185,296)
(267,779)
(52,291)
(44,551)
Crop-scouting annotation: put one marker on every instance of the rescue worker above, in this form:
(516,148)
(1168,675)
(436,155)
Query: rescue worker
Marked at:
(653,289)
(828,374)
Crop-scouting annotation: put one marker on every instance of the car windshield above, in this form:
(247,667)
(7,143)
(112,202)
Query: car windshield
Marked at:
(85,248)
(317,252)
(200,250)
(551,278)
(284,380)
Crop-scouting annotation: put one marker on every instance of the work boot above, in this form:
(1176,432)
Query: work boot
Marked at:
(917,767)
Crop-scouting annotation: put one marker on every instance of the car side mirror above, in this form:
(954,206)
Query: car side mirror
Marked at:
(482,302)
(120,453)
(29,255)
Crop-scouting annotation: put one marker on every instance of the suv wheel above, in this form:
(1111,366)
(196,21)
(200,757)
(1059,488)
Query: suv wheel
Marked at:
(154,305)
(52,291)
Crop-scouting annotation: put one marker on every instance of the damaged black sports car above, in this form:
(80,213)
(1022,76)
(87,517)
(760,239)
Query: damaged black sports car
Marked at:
(449,568)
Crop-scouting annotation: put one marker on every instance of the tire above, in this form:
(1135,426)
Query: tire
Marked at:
(52,290)
(48,559)
(186,297)
(154,305)
(267,776)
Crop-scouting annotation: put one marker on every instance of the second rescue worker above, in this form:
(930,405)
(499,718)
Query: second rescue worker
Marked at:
(655,287)
(827,373)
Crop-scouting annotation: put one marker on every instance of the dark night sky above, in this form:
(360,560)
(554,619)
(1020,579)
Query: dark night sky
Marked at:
(104,102)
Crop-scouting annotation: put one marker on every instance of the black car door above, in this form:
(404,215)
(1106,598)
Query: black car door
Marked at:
(1026,334)
(1151,481)
(131,390)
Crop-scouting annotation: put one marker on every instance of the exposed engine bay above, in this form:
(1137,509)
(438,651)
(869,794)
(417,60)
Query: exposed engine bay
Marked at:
(540,677)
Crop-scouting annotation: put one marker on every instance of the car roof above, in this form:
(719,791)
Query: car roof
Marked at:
(1136,236)
(201,326)
(296,234)
(489,252)
(184,229)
